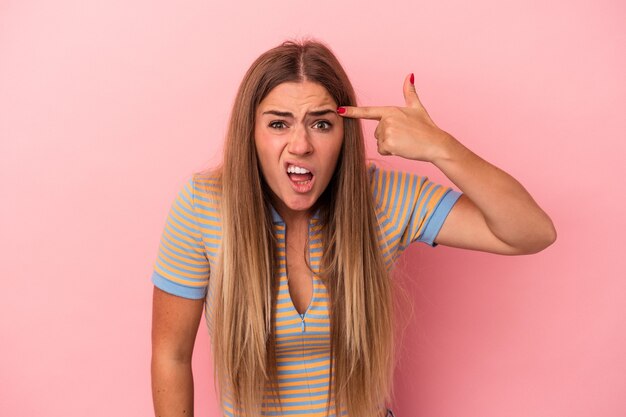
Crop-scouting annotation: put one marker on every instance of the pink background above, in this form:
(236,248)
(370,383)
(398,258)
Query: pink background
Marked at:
(106,108)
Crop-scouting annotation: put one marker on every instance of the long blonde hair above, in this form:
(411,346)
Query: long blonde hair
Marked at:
(352,267)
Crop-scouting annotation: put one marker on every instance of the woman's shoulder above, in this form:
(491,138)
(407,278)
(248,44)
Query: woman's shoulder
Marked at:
(381,176)
(378,170)
(203,192)
(208,183)
(383,179)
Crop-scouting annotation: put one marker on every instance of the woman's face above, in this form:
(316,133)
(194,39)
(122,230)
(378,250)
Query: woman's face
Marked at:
(298,137)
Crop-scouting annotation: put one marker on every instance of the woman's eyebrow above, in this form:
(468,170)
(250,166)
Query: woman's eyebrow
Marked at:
(279,113)
(315,113)
(321,112)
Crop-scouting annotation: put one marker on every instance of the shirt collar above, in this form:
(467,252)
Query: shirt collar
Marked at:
(275,216)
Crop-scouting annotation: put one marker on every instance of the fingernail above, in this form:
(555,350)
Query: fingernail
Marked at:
(412,79)
(341,110)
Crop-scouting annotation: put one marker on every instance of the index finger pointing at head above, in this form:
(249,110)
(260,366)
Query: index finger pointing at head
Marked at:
(373,113)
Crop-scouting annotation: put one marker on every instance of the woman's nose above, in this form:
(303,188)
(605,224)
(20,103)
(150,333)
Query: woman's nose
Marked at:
(300,143)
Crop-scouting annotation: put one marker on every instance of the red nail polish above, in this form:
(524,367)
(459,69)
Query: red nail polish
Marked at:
(412,79)
(341,110)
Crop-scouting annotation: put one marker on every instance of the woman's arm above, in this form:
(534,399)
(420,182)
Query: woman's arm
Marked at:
(175,323)
(495,214)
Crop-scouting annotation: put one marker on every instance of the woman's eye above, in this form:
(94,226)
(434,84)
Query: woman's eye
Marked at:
(322,125)
(277,125)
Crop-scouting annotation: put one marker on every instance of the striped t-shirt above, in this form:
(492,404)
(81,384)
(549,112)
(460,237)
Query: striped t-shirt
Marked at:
(408,207)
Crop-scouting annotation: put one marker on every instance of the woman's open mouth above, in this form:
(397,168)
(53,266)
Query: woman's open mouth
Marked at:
(301,178)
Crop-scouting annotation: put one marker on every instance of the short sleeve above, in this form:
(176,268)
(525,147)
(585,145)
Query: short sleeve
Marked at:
(410,208)
(182,267)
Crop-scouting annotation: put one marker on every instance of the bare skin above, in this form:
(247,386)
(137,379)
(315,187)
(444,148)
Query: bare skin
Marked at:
(296,123)
(175,323)
(495,214)
(299,275)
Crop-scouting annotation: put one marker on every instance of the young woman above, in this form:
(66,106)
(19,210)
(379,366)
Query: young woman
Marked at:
(290,243)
